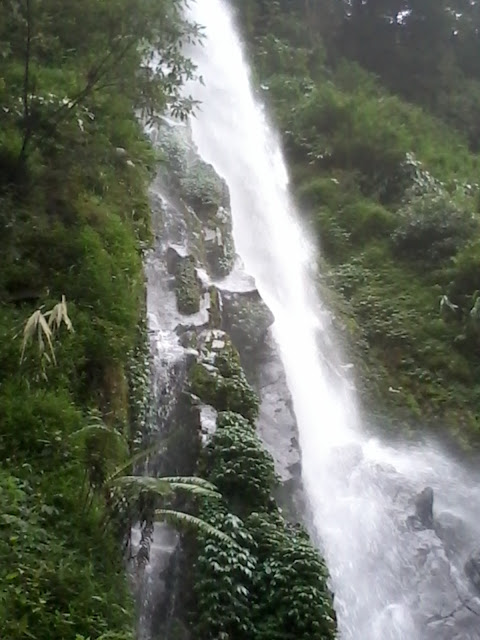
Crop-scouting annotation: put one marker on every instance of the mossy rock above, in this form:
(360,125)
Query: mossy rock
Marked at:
(219,247)
(187,286)
(202,188)
(198,183)
(247,319)
(205,196)
(215,308)
(218,379)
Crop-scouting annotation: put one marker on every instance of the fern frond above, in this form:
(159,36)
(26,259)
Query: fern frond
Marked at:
(144,483)
(194,485)
(100,430)
(140,455)
(187,521)
(164,486)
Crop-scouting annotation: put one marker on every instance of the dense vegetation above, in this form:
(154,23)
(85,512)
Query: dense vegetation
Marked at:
(376,102)
(74,217)
(264,579)
(267,582)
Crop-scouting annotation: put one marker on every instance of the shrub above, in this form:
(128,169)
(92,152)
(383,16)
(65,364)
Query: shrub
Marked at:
(432,228)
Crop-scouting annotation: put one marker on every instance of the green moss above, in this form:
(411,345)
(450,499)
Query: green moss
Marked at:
(187,287)
(218,379)
(214,311)
(203,189)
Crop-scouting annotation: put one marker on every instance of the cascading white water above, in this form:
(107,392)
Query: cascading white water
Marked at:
(393,578)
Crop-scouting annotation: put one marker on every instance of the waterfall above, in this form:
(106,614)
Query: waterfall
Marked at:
(397,568)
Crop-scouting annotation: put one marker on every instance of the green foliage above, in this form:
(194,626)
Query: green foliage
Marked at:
(238,464)
(268,581)
(432,229)
(60,574)
(75,166)
(290,582)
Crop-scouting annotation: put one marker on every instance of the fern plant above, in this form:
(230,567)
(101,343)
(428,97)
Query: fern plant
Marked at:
(135,498)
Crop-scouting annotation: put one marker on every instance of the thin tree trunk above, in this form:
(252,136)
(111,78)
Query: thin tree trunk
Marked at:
(26,87)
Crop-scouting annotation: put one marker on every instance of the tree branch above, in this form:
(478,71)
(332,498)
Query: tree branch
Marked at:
(94,78)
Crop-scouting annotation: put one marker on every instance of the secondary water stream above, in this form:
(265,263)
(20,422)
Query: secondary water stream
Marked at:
(397,572)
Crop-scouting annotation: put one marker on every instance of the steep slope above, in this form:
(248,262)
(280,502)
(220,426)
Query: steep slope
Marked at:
(391,191)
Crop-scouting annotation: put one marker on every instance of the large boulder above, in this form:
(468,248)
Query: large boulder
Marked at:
(453,532)
(205,199)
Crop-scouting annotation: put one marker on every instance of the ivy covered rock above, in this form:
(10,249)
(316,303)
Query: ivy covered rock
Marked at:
(269,583)
(294,600)
(239,465)
(218,379)
(223,579)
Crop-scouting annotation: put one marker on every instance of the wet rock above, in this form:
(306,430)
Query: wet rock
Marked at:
(247,318)
(218,379)
(472,569)
(174,256)
(452,531)
(423,518)
(218,243)
(215,307)
(424,507)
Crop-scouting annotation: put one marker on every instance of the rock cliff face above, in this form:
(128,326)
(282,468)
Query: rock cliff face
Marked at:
(221,402)
(195,254)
